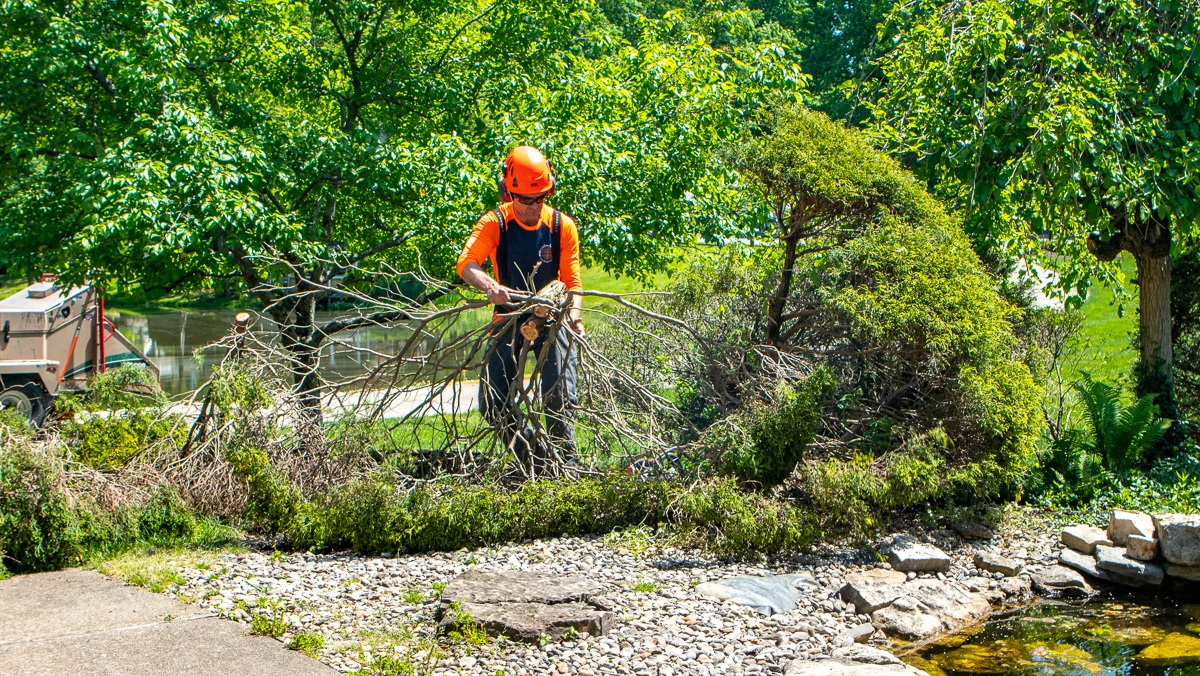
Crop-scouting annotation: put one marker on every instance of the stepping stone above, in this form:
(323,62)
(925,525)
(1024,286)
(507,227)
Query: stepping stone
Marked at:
(1142,549)
(525,605)
(908,554)
(870,590)
(973,531)
(855,660)
(1085,538)
(1122,524)
(1113,560)
(994,563)
(1054,581)
(1087,565)
(767,595)
(928,608)
(1179,536)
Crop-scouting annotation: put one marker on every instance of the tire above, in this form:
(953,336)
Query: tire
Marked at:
(27,398)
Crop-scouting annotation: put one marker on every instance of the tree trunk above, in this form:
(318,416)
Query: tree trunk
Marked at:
(779,301)
(1154,307)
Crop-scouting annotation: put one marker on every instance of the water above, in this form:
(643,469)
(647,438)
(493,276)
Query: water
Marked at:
(175,340)
(1123,636)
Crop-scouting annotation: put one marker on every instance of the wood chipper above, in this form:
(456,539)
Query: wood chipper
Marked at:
(52,339)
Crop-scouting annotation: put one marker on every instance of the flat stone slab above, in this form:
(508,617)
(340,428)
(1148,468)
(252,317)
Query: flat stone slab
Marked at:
(1179,536)
(1113,560)
(767,595)
(1084,538)
(973,531)
(910,555)
(525,605)
(855,660)
(531,621)
(1054,581)
(1122,524)
(995,563)
(928,608)
(81,622)
(1191,573)
(870,590)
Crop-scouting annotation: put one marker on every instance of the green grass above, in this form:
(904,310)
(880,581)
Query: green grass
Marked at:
(1105,342)
(10,285)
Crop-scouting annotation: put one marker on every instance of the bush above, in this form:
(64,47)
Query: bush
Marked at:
(108,442)
(36,524)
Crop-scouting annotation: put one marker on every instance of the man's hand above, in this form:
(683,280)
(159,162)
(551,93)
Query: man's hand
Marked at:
(577,326)
(497,295)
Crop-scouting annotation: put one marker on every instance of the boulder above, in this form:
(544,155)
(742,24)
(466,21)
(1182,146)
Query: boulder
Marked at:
(908,554)
(767,595)
(1084,538)
(1175,649)
(1087,565)
(994,563)
(928,608)
(973,531)
(1140,548)
(524,605)
(1179,537)
(870,590)
(1122,524)
(530,621)
(1191,573)
(1113,560)
(1055,581)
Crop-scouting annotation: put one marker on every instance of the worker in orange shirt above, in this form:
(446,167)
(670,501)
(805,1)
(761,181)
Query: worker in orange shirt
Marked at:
(529,245)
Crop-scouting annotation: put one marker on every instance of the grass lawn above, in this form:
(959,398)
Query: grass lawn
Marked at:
(1105,343)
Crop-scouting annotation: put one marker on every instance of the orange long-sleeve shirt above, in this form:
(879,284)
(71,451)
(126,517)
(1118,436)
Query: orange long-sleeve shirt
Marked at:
(481,245)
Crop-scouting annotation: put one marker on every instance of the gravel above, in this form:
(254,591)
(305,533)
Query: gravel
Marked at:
(368,610)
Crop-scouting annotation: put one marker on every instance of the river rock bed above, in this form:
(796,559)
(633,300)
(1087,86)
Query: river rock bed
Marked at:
(372,610)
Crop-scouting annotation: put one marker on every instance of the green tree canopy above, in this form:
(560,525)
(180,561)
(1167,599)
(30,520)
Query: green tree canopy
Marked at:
(1066,130)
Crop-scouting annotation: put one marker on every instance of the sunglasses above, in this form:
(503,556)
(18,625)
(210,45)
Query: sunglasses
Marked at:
(529,201)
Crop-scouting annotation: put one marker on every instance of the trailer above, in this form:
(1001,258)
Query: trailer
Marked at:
(54,339)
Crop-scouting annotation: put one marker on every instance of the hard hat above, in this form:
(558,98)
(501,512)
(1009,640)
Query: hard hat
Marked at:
(527,172)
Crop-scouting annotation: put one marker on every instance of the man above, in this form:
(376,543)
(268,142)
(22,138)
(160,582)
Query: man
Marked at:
(529,245)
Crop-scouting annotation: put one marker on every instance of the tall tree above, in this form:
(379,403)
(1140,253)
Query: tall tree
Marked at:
(1066,129)
(170,144)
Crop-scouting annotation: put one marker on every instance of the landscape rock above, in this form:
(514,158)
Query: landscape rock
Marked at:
(995,563)
(1055,581)
(530,621)
(1123,523)
(907,554)
(928,608)
(1175,649)
(1015,587)
(859,634)
(1179,538)
(865,655)
(766,595)
(1113,560)
(1084,538)
(1142,549)
(1191,573)
(870,590)
(973,531)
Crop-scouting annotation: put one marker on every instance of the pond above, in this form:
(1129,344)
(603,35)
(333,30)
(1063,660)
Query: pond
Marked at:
(176,341)
(1127,636)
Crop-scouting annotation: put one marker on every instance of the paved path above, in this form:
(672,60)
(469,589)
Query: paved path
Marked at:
(81,622)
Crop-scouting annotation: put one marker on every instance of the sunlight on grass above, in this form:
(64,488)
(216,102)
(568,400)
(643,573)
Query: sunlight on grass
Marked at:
(157,569)
(1106,348)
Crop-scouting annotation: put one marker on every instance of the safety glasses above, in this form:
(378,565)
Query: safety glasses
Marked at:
(530,201)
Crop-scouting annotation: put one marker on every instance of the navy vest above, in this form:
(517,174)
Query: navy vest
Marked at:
(527,260)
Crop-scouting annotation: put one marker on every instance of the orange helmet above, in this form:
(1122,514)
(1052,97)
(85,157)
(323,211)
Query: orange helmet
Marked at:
(527,172)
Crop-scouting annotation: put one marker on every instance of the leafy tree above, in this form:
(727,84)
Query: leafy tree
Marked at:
(1066,130)
(284,144)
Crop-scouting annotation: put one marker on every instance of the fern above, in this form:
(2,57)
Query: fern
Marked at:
(1120,435)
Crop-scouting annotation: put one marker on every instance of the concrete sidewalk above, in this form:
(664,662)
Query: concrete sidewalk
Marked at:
(81,622)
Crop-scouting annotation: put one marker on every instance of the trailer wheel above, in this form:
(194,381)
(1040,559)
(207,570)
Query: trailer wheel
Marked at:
(26,398)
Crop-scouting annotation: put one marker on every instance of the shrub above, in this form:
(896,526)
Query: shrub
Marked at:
(108,442)
(308,642)
(35,517)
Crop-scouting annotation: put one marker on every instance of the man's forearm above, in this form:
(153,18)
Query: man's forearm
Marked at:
(474,275)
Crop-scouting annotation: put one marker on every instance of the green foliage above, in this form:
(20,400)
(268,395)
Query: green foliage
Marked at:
(269,618)
(466,628)
(35,516)
(1185,320)
(310,643)
(14,423)
(128,387)
(107,442)
(1119,435)
(764,441)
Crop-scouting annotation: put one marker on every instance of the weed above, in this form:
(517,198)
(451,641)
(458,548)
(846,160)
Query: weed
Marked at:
(269,619)
(466,628)
(276,555)
(645,587)
(438,588)
(414,596)
(307,642)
